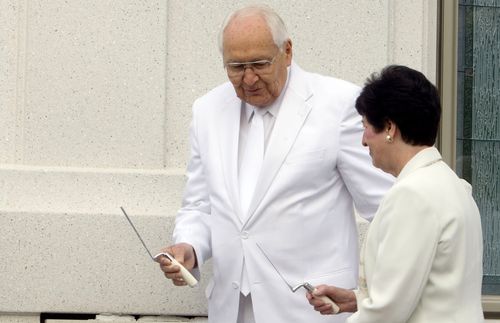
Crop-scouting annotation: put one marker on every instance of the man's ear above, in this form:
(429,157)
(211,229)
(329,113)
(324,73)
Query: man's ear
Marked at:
(287,49)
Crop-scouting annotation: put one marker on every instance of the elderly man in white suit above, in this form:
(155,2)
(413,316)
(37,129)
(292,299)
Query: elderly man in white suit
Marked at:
(292,197)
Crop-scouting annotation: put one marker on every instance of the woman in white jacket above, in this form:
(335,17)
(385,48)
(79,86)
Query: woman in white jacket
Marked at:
(422,257)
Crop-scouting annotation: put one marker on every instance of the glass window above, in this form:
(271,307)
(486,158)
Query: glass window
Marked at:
(478,121)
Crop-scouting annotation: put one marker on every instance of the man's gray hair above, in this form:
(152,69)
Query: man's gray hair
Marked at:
(273,20)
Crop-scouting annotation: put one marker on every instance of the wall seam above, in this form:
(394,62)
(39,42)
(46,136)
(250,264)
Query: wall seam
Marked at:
(390,31)
(21,83)
(165,86)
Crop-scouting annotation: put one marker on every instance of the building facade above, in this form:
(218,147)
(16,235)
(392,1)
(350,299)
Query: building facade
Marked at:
(95,101)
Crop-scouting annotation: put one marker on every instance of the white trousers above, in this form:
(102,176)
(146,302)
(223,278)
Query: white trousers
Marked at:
(245,312)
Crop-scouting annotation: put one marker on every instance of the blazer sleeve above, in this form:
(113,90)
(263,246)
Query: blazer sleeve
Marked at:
(191,223)
(366,184)
(401,258)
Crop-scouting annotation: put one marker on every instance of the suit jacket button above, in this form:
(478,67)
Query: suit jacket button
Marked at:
(235,285)
(244,235)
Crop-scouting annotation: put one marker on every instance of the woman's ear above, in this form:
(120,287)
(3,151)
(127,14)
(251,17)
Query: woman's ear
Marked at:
(390,128)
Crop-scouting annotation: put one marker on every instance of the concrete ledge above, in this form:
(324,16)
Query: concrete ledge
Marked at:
(163,319)
(89,263)
(90,190)
(66,247)
(26,318)
(129,319)
(172,319)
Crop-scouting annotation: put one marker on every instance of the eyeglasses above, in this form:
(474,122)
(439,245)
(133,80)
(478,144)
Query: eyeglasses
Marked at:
(260,67)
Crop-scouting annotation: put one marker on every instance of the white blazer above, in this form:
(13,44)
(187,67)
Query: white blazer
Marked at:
(422,260)
(302,213)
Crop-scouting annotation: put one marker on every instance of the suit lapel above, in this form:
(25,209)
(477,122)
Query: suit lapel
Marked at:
(229,130)
(293,112)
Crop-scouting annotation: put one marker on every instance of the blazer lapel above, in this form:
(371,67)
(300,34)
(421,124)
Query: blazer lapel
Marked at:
(293,112)
(229,130)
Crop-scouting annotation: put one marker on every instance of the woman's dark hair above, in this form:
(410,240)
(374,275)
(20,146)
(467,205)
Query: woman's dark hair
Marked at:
(405,97)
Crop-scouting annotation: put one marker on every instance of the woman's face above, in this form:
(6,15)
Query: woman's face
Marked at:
(376,142)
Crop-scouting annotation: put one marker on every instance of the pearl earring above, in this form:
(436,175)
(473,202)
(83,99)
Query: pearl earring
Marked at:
(388,138)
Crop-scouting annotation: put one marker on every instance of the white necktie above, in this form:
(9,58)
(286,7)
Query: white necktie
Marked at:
(251,162)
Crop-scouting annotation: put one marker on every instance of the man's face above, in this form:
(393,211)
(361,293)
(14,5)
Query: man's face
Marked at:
(248,39)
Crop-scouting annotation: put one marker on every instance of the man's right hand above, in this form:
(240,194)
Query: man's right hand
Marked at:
(185,255)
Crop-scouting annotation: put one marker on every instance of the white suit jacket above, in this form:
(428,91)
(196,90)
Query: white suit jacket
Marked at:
(302,213)
(423,253)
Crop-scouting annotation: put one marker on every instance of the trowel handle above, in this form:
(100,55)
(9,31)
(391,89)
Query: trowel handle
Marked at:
(186,275)
(327,300)
(310,288)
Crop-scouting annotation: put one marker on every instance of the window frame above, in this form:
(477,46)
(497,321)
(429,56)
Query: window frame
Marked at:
(447,85)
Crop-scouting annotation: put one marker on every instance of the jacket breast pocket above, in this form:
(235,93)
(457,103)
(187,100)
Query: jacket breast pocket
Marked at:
(341,277)
(308,157)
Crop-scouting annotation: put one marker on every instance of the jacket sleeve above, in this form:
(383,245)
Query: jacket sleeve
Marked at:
(366,184)
(191,223)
